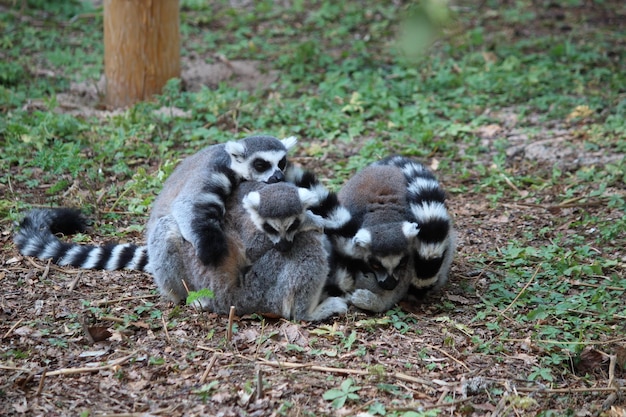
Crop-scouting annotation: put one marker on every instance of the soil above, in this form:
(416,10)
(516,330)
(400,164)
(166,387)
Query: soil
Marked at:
(96,346)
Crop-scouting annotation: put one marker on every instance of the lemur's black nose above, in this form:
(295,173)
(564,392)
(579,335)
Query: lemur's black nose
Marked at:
(278,176)
(389,283)
(283,245)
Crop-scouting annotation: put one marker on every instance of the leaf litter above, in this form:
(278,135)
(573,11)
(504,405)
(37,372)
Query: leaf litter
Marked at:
(72,346)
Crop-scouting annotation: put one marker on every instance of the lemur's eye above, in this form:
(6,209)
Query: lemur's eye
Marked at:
(283,163)
(375,265)
(269,229)
(294,226)
(261,165)
(403,262)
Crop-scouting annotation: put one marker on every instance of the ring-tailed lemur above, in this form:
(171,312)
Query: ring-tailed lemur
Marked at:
(405,241)
(36,237)
(283,259)
(195,193)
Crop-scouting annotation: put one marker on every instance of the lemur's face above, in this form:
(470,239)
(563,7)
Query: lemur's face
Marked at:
(260,159)
(264,166)
(268,167)
(386,250)
(282,231)
(387,270)
(280,212)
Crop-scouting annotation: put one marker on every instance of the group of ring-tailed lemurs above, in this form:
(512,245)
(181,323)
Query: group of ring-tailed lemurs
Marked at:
(267,237)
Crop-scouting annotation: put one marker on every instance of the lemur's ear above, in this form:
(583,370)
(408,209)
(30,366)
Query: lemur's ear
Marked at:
(362,239)
(236,150)
(410,230)
(289,142)
(252,201)
(308,198)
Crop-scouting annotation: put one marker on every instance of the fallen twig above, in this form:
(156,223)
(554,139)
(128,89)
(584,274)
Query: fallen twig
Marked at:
(430,406)
(123,299)
(449,356)
(290,365)
(52,267)
(12,328)
(46,270)
(205,375)
(592,314)
(74,282)
(163,411)
(113,319)
(229,328)
(532,278)
(612,363)
(41,381)
(14,368)
(71,371)
(568,390)
(587,284)
(561,342)
(167,333)
(513,186)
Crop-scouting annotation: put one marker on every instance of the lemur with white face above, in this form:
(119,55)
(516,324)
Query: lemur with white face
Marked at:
(195,193)
(405,241)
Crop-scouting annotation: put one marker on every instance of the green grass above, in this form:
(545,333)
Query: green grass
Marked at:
(345,79)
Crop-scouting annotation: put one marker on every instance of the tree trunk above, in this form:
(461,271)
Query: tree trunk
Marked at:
(141,48)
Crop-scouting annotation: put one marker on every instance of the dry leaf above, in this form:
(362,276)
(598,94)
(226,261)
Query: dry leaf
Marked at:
(93,353)
(246,336)
(293,334)
(580,112)
(458,299)
(99,333)
(21,407)
(590,360)
(489,131)
(490,57)
(616,412)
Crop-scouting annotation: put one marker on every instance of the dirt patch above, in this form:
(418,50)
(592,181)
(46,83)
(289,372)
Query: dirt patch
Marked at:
(242,74)
(85,99)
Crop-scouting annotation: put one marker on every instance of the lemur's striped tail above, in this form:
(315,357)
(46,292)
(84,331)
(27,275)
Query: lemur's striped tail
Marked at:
(426,200)
(37,237)
(337,219)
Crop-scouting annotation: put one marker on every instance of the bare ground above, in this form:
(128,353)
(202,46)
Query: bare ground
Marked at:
(75,341)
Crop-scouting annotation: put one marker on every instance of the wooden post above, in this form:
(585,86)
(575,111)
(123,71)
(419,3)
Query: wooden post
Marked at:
(141,48)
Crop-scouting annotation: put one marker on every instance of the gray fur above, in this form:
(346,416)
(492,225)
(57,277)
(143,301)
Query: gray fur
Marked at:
(193,194)
(393,201)
(256,277)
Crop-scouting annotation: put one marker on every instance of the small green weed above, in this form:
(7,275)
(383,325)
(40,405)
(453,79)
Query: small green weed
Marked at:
(206,391)
(194,296)
(346,392)
(153,360)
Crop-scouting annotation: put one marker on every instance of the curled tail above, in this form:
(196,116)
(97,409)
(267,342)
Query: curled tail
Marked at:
(37,237)
(336,218)
(427,204)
